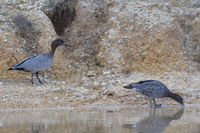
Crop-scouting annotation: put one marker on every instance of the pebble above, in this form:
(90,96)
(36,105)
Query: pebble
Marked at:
(55,98)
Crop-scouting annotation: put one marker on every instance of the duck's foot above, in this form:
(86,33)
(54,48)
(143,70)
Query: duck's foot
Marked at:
(41,82)
(156,105)
(36,83)
(38,78)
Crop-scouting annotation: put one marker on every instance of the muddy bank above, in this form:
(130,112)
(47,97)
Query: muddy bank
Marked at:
(87,91)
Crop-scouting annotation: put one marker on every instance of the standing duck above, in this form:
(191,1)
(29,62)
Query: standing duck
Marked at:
(37,63)
(154,89)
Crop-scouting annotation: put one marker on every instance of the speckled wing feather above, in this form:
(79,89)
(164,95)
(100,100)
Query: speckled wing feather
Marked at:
(151,88)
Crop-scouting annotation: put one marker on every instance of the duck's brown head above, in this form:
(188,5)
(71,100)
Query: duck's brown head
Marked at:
(56,43)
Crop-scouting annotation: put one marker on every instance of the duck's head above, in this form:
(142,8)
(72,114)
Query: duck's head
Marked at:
(56,43)
(176,97)
(179,99)
(128,86)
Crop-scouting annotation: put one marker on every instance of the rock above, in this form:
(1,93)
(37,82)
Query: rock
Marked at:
(196,3)
(72,89)
(106,37)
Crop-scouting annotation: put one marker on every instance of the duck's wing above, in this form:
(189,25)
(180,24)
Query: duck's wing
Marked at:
(145,81)
(19,66)
(139,85)
(153,89)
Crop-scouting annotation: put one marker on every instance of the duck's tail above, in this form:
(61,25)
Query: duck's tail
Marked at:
(15,68)
(21,69)
(10,68)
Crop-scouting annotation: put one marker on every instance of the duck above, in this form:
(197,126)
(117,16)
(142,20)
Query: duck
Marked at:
(39,62)
(154,89)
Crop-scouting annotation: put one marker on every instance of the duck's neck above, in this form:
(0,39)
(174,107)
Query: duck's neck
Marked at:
(53,51)
(174,96)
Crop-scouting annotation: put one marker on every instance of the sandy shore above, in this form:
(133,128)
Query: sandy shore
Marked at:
(102,90)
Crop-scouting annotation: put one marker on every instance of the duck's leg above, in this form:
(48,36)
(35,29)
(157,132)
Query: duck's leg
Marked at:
(38,78)
(156,105)
(32,74)
(152,112)
(150,101)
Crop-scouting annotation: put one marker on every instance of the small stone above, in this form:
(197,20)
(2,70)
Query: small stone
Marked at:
(72,89)
(106,72)
(55,98)
(37,102)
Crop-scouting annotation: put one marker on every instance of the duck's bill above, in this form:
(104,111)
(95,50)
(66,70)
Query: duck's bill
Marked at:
(127,87)
(68,45)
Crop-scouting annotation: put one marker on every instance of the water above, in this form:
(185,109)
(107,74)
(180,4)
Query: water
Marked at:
(118,119)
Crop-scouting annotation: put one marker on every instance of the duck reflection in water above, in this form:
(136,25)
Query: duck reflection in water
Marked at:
(155,123)
(37,128)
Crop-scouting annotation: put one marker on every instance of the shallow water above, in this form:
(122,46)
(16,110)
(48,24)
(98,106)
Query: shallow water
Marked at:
(101,119)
